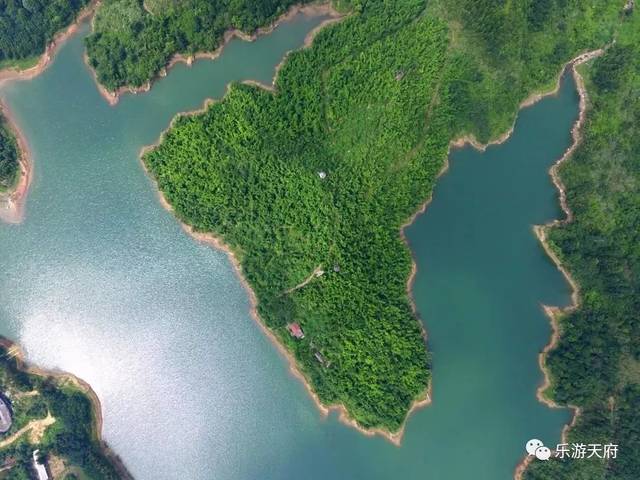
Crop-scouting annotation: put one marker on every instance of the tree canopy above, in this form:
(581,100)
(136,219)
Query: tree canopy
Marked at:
(373,104)
(596,365)
(8,157)
(27,26)
(72,436)
(132,41)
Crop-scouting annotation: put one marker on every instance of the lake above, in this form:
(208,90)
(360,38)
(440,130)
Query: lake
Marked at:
(99,280)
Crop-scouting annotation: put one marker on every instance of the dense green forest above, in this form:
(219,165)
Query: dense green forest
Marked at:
(373,105)
(133,40)
(9,156)
(27,26)
(597,363)
(72,436)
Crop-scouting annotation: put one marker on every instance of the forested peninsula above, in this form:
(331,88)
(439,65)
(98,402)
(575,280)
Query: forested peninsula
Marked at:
(133,41)
(27,27)
(58,415)
(310,185)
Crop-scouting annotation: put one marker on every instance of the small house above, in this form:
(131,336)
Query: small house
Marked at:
(295,330)
(5,415)
(40,468)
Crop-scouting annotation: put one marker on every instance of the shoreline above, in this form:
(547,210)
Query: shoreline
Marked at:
(313,9)
(12,202)
(210,239)
(214,241)
(217,243)
(62,378)
(471,140)
(554,313)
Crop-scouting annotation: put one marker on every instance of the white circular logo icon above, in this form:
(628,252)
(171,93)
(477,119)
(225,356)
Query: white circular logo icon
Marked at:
(532,445)
(543,453)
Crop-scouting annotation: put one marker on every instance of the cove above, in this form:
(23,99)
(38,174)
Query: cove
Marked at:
(102,282)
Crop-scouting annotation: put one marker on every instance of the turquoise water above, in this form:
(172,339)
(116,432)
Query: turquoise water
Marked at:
(102,282)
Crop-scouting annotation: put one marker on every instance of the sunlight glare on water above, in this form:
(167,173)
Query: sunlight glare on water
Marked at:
(101,282)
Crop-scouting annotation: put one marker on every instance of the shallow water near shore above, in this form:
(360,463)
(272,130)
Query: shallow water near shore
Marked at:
(102,282)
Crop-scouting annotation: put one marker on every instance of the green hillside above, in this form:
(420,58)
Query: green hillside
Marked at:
(373,104)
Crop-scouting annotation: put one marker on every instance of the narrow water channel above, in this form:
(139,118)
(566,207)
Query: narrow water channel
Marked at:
(102,282)
(482,277)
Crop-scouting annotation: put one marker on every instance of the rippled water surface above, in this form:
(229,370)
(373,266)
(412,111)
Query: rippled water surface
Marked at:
(100,281)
